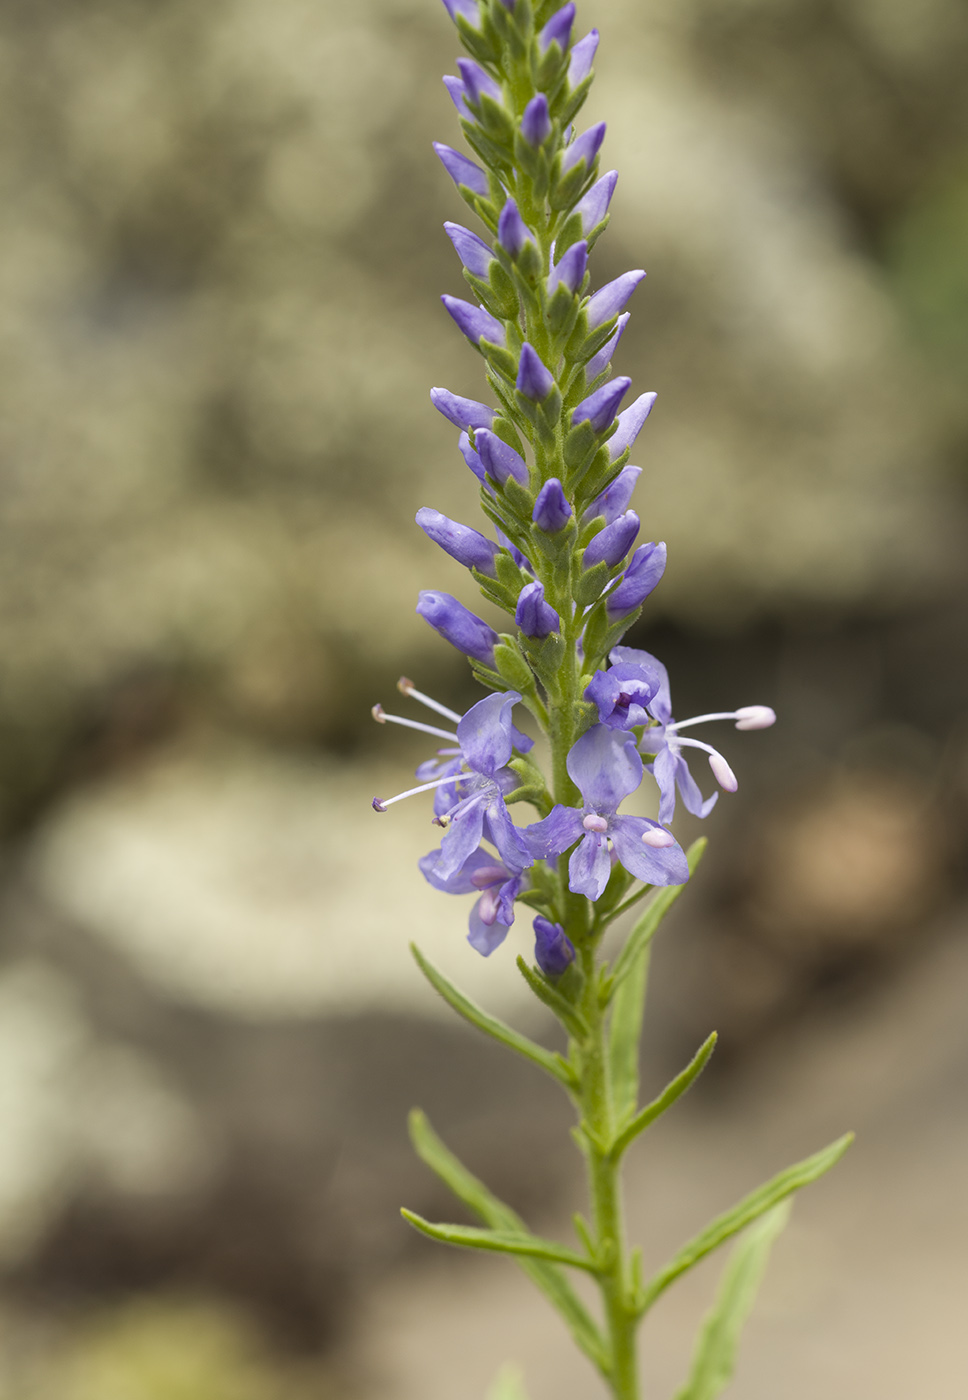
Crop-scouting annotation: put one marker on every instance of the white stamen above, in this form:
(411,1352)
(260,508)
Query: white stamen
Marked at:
(407,687)
(657,837)
(381,717)
(595,823)
(380,804)
(488,907)
(755,717)
(722,772)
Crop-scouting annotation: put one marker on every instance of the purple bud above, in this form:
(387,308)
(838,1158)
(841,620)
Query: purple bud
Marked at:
(586,148)
(613,543)
(534,381)
(477,83)
(535,121)
(609,300)
(594,206)
(552,510)
(512,232)
(472,251)
(469,547)
(599,363)
(641,576)
(500,461)
(463,413)
(599,408)
(461,170)
(582,58)
(515,553)
(558,29)
(615,498)
(570,271)
(534,616)
(457,94)
(458,625)
(630,424)
(467,8)
(553,949)
(476,323)
(474,461)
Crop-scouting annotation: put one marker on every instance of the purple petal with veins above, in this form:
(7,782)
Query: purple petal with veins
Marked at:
(605,766)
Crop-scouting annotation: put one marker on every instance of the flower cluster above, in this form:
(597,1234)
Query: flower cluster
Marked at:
(562,558)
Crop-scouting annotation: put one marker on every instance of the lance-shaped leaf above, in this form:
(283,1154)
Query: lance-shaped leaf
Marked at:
(644,929)
(569,1016)
(725,1226)
(554,1064)
(666,1099)
(475,1195)
(715,1356)
(501,1242)
(628,1006)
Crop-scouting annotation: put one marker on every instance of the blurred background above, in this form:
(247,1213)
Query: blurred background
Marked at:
(220,253)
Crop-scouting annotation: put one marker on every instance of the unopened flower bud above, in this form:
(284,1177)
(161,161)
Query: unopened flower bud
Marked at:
(467,9)
(611,502)
(585,149)
(600,362)
(594,205)
(609,300)
(553,949)
(599,409)
(461,170)
(476,323)
(558,29)
(478,83)
(611,545)
(570,271)
(642,575)
(552,510)
(533,615)
(630,424)
(536,121)
(582,57)
(512,231)
(463,413)
(473,252)
(534,381)
(500,460)
(468,546)
(458,625)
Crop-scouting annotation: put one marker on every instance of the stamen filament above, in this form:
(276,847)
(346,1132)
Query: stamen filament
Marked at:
(701,719)
(380,804)
(407,687)
(722,772)
(381,717)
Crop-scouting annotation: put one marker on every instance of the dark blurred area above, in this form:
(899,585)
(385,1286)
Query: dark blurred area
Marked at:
(221,255)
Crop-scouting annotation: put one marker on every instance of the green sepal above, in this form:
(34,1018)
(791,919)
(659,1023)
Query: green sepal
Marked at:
(714,1359)
(550,68)
(482,207)
(499,358)
(533,788)
(505,429)
(598,470)
(476,1196)
(552,1064)
(589,584)
(561,312)
(601,634)
(580,442)
(625,1031)
(570,232)
(543,415)
(498,295)
(533,162)
(496,157)
(643,930)
(501,1242)
(488,678)
(673,1091)
(474,41)
(568,189)
(618,882)
(519,500)
(508,574)
(559,546)
(576,100)
(494,592)
(750,1208)
(546,656)
(593,235)
(496,123)
(583,343)
(511,665)
(529,266)
(569,1015)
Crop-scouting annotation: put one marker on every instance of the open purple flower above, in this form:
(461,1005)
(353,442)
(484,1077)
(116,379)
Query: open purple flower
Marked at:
(606,767)
(496,886)
(623,692)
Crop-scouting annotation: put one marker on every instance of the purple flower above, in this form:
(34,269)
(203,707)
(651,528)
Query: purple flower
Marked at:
(558,29)
(552,509)
(643,573)
(594,205)
(536,121)
(473,252)
(463,413)
(630,424)
(599,363)
(461,170)
(469,547)
(534,381)
(599,408)
(476,323)
(582,58)
(477,83)
(500,461)
(611,545)
(512,231)
(496,886)
(622,693)
(585,149)
(466,8)
(609,300)
(458,94)
(611,502)
(514,552)
(606,768)
(471,458)
(554,951)
(458,625)
(533,615)
(570,271)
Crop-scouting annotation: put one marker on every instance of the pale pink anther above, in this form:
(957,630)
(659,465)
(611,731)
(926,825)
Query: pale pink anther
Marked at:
(755,717)
(722,772)
(659,838)
(595,823)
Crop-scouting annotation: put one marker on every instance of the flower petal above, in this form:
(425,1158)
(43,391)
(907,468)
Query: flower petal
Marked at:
(506,836)
(661,705)
(666,865)
(461,882)
(485,937)
(590,866)
(484,733)
(462,836)
(605,765)
(692,798)
(664,772)
(559,830)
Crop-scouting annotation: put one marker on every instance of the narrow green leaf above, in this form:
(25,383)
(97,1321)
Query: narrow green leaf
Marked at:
(666,1099)
(725,1226)
(628,1005)
(472,1191)
(644,928)
(715,1357)
(557,1067)
(509,1385)
(569,1016)
(501,1242)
